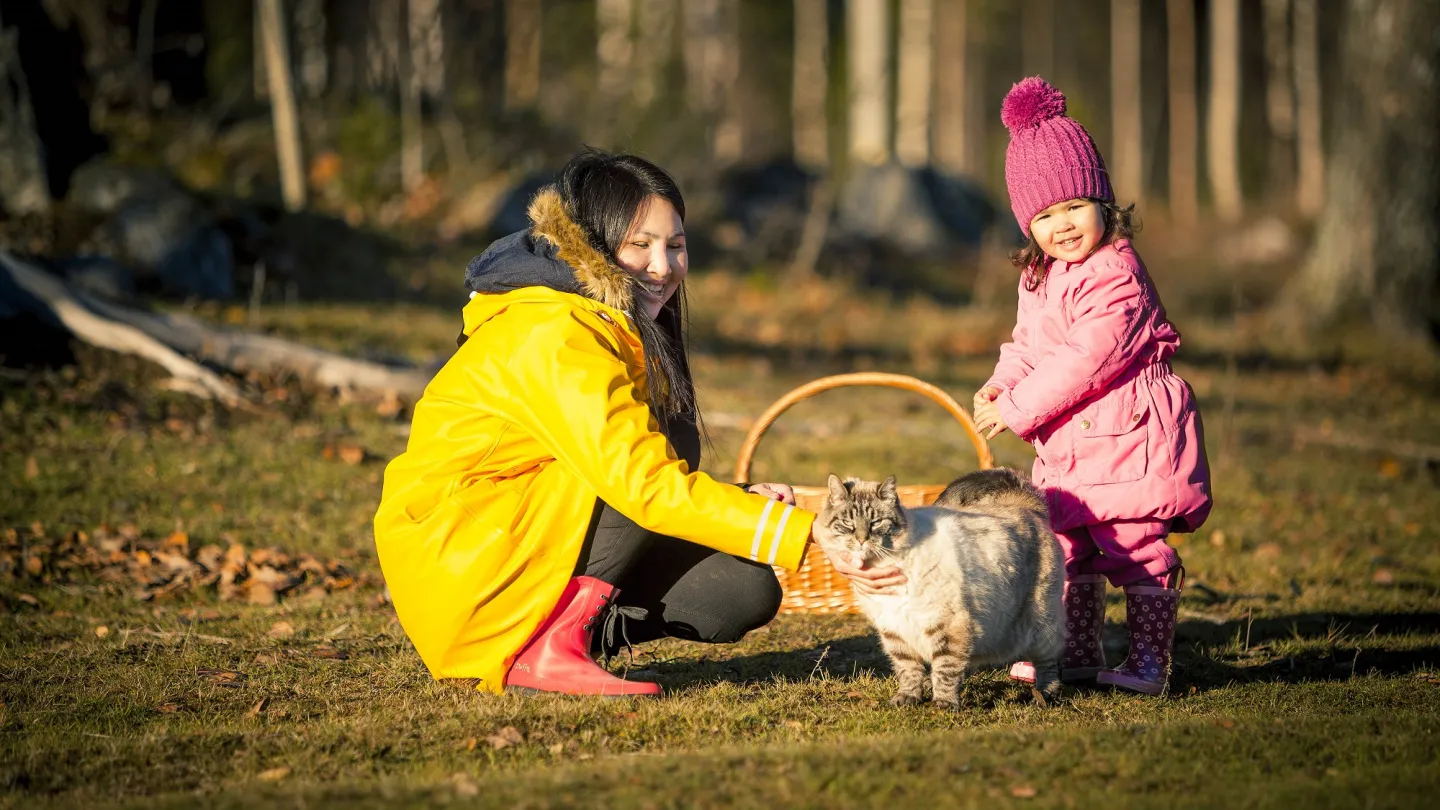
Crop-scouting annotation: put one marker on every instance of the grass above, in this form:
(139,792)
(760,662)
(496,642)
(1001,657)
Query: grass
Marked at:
(1308,655)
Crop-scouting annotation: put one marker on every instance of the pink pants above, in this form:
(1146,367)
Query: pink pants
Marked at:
(1127,552)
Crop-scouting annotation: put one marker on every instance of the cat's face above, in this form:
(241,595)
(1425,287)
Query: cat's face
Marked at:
(861,517)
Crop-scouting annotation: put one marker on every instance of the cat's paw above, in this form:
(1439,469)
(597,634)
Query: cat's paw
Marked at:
(906,699)
(948,704)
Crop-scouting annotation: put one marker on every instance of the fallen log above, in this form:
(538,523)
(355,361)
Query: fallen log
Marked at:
(162,337)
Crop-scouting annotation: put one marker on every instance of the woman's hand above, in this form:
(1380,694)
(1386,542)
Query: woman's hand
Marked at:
(866,580)
(775,492)
(987,418)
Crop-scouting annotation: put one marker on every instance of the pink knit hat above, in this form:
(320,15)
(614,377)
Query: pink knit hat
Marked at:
(1051,157)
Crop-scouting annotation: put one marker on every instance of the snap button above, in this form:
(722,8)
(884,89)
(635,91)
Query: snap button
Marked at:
(1085,424)
(1135,418)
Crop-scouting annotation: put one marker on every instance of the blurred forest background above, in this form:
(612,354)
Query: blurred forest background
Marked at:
(1281,152)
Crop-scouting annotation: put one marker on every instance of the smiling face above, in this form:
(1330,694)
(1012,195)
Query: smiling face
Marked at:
(654,253)
(1070,230)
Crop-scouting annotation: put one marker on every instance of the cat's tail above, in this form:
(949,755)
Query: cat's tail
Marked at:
(1000,486)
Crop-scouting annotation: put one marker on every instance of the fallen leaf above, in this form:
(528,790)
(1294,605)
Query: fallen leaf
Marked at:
(556,749)
(505,737)
(1217,539)
(338,631)
(855,694)
(390,405)
(178,540)
(265,659)
(326,651)
(1225,722)
(34,565)
(102,631)
(794,724)
(352,454)
(1022,792)
(469,743)
(274,774)
(261,593)
(1268,551)
(1383,576)
(258,707)
(1389,468)
(464,785)
(32,468)
(168,707)
(28,599)
(281,630)
(223,677)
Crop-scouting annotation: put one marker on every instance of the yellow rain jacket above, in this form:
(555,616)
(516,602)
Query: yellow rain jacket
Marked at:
(540,412)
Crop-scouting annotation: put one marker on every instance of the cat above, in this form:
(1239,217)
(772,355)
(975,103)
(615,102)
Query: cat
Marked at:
(984,571)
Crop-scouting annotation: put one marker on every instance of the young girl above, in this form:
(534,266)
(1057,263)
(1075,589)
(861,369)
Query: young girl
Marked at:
(1086,379)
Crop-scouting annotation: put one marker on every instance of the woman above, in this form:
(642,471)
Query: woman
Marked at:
(549,487)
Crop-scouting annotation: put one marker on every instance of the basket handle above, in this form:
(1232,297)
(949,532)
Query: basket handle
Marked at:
(902,381)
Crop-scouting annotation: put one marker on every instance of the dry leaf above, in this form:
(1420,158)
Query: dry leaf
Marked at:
(464,785)
(261,593)
(390,405)
(274,774)
(1217,539)
(34,565)
(28,599)
(1389,468)
(1383,576)
(258,707)
(168,707)
(32,468)
(1022,792)
(179,540)
(556,749)
(1268,551)
(469,743)
(222,677)
(1225,722)
(281,630)
(505,737)
(352,454)
(326,651)
(102,631)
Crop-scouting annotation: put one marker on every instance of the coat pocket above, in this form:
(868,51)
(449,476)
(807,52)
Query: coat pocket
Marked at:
(1112,440)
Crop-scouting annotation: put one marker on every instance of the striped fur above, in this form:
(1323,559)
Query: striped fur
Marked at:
(985,579)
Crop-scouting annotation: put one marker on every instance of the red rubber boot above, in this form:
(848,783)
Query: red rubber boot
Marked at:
(1084,658)
(557,658)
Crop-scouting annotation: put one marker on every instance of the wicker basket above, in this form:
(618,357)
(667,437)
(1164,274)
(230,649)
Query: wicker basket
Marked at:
(817,587)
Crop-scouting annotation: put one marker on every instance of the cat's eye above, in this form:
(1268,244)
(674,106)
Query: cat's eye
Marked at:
(880,526)
(844,525)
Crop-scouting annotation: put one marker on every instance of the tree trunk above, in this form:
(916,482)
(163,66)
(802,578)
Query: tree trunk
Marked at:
(1037,49)
(1375,253)
(282,104)
(913,82)
(954,139)
(1180,24)
(614,51)
(522,54)
(1279,98)
(1223,116)
(712,71)
(810,128)
(23,187)
(868,31)
(410,81)
(313,70)
(655,37)
(1126,155)
(1310,151)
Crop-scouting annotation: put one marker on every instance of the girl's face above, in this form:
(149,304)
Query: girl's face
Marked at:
(1069,231)
(654,252)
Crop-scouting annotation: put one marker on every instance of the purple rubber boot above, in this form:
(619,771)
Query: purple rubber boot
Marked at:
(1150,614)
(1084,658)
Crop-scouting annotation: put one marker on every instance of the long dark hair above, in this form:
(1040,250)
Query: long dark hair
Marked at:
(1034,262)
(602,193)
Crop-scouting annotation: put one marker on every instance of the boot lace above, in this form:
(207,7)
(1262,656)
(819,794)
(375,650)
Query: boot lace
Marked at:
(608,617)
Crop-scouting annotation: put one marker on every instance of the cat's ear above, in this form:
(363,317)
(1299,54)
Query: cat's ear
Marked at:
(887,489)
(838,492)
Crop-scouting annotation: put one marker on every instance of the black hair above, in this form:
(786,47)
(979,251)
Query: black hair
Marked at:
(603,192)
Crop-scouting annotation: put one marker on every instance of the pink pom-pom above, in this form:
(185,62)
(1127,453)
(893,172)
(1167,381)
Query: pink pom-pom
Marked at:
(1031,101)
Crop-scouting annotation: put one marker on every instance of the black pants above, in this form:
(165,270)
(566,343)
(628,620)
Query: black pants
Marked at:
(690,591)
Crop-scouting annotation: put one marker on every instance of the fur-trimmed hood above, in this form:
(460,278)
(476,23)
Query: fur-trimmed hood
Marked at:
(554,253)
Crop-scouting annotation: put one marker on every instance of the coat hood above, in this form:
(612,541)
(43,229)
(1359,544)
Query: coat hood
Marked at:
(554,253)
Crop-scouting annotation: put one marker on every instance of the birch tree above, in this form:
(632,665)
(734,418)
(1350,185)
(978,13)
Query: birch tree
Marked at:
(1180,31)
(1222,141)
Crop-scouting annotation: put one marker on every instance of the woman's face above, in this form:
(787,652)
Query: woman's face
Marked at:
(1069,230)
(654,252)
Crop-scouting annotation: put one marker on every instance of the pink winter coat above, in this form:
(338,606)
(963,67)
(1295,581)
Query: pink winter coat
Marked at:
(1087,381)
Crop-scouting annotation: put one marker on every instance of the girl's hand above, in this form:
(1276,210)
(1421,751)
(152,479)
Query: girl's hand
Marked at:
(987,418)
(867,580)
(986,394)
(775,492)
